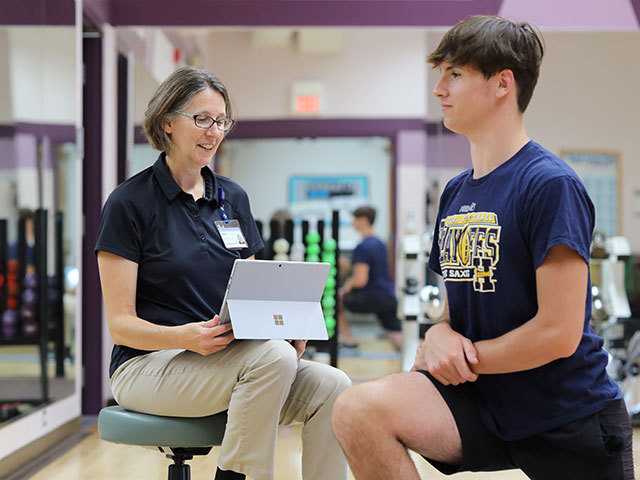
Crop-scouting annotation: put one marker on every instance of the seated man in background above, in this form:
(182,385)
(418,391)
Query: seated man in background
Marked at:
(370,289)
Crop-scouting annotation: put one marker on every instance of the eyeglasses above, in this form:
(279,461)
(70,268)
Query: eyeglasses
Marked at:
(204,121)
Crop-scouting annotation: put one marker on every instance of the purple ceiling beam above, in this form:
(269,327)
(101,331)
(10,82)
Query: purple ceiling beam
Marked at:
(37,12)
(324,127)
(297,12)
(97,12)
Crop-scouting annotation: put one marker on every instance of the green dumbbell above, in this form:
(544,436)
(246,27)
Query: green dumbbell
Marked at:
(329,257)
(330,322)
(312,238)
(331,283)
(328,302)
(313,249)
(329,245)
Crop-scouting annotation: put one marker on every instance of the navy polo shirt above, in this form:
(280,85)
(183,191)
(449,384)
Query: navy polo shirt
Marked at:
(183,265)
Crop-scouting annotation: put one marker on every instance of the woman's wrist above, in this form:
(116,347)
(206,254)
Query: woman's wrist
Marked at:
(180,336)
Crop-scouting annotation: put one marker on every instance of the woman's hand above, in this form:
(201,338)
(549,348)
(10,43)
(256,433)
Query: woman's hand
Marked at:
(447,355)
(207,337)
(300,346)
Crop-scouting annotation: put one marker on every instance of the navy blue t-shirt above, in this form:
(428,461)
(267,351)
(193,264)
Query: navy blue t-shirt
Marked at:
(373,252)
(491,235)
(183,265)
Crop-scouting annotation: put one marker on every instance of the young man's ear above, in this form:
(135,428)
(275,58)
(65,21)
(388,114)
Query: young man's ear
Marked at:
(506,82)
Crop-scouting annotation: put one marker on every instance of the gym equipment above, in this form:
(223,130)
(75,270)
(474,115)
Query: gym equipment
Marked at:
(280,249)
(611,316)
(32,303)
(9,323)
(313,244)
(297,248)
(431,298)
(29,303)
(329,246)
(410,310)
(3,266)
(610,305)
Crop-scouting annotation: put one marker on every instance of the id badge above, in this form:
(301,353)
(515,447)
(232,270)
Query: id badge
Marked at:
(231,234)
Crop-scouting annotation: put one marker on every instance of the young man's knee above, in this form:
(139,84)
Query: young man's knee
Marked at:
(345,413)
(354,408)
(339,380)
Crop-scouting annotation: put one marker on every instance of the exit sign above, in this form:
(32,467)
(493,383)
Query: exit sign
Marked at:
(307,98)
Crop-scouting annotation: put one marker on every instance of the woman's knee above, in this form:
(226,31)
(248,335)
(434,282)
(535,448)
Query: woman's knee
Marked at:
(341,380)
(277,355)
(330,379)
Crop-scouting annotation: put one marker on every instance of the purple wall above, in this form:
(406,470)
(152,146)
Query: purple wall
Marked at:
(91,204)
(7,153)
(325,127)
(297,12)
(56,133)
(15,149)
(416,142)
(26,150)
(38,12)
(97,12)
(448,150)
(583,14)
(411,148)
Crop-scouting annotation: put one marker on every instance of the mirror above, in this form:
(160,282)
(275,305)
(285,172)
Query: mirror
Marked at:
(39,208)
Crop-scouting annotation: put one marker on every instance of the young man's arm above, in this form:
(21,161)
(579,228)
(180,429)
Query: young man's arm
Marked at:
(358,279)
(445,353)
(555,331)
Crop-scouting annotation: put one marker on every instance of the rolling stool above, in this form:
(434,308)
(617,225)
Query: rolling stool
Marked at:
(178,437)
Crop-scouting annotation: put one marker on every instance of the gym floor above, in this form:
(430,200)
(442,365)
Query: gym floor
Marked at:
(93,458)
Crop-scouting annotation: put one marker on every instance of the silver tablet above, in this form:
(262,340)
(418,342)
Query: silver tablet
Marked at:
(276,300)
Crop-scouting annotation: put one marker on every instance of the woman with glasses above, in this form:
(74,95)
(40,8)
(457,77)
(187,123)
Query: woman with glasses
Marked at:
(164,264)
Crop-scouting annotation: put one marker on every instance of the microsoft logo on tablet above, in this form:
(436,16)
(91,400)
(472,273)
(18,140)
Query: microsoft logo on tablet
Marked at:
(278,320)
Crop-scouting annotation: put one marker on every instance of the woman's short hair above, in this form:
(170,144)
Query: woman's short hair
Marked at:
(491,44)
(174,94)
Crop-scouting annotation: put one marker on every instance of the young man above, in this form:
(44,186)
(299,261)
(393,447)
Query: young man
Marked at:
(514,377)
(370,289)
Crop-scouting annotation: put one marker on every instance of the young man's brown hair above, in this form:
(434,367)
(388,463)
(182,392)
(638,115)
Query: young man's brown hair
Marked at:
(491,44)
(365,212)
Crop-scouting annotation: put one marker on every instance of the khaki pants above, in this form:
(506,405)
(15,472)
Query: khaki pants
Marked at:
(261,384)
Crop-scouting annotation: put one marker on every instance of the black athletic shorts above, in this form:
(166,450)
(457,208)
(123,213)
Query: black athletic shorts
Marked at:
(597,447)
(383,305)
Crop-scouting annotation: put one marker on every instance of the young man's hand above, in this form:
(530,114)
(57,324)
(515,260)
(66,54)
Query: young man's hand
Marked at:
(447,355)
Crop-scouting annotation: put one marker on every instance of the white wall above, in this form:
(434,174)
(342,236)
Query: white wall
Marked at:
(263,168)
(42,74)
(143,87)
(587,98)
(376,73)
